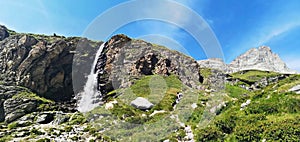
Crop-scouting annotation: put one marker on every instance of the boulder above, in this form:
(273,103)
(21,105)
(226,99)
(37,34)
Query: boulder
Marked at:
(141,103)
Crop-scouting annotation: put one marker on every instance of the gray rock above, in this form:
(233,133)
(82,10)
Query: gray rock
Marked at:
(295,88)
(3,32)
(15,108)
(141,103)
(214,63)
(261,58)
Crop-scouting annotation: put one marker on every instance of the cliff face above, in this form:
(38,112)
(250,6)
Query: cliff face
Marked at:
(41,63)
(124,59)
(261,58)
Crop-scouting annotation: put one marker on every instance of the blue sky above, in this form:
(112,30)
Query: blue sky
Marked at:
(238,25)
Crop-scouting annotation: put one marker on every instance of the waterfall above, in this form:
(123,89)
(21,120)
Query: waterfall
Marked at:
(90,96)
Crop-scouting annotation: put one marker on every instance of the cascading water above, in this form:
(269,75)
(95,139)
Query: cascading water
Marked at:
(90,96)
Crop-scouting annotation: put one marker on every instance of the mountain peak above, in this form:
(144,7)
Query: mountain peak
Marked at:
(261,58)
(264,48)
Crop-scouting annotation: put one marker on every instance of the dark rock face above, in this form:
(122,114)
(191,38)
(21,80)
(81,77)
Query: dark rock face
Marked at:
(123,59)
(45,118)
(3,32)
(44,63)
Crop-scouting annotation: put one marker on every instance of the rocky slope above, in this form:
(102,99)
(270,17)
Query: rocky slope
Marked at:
(261,58)
(41,74)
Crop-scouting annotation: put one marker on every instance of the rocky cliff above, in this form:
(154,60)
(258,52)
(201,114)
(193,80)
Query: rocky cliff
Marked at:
(261,58)
(43,63)
(124,59)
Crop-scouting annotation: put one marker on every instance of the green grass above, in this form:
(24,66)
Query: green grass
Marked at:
(236,92)
(33,96)
(288,83)
(253,75)
(205,72)
(6,138)
(155,84)
(12,125)
(272,115)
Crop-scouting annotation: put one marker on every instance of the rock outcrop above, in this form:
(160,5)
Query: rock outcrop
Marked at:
(214,63)
(261,58)
(124,59)
(44,63)
(7,92)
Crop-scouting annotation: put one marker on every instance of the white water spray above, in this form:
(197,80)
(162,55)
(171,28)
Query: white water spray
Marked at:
(90,97)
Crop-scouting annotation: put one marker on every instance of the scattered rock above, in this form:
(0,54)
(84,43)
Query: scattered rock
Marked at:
(243,105)
(141,103)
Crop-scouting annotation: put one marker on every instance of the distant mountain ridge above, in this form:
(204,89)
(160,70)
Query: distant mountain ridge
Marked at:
(261,58)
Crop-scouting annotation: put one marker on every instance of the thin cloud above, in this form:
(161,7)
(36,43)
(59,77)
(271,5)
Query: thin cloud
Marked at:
(277,32)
